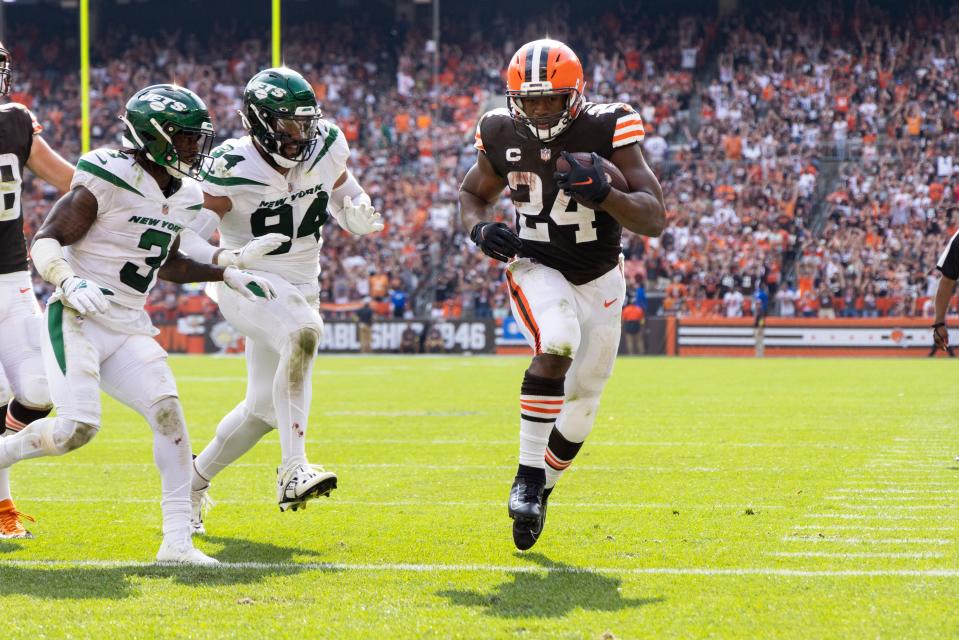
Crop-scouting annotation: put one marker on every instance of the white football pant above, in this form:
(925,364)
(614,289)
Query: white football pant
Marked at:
(581,322)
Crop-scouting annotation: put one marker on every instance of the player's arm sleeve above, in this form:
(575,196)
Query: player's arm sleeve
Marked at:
(29,122)
(478,143)
(948,263)
(339,150)
(628,127)
(485,140)
(98,177)
(194,238)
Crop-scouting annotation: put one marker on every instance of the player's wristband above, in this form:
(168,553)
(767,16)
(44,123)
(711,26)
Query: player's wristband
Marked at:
(47,256)
(225,257)
(936,325)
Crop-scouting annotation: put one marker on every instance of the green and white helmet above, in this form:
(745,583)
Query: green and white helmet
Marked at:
(280,110)
(171,125)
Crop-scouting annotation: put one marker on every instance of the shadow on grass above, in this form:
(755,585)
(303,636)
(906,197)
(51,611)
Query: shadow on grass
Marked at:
(92,582)
(552,593)
(6,546)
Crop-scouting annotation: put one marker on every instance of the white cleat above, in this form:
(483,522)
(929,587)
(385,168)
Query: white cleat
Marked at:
(200,503)
(301,482)
(180,550)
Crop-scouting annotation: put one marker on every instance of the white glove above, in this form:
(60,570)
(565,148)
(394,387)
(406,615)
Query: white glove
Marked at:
(248,285)
(253,250)
(360,219)
(84,296)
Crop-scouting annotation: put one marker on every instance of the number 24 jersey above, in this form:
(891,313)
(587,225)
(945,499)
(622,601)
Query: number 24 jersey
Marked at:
(580,243)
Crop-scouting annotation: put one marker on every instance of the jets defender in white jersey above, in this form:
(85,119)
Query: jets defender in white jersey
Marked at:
(276,184)
(103,245)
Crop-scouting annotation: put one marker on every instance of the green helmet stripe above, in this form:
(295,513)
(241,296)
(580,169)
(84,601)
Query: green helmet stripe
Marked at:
(330,138)
(103,174)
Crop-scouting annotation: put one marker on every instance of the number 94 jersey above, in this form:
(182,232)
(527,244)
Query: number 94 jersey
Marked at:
(265,201)
(580,243)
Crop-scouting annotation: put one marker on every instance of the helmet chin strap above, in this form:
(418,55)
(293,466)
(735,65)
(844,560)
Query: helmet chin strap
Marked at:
(283,161)
(177,170)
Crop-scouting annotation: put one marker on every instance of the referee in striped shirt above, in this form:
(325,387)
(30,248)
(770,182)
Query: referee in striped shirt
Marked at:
(948,265)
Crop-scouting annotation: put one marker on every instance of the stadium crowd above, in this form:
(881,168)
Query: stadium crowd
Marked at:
(808,155)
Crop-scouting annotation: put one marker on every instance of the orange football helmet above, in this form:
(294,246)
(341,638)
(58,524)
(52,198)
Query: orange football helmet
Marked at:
(545,68)
(4,70)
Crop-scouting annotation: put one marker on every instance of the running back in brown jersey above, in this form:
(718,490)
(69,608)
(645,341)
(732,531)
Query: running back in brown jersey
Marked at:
(17,128)
(579,243)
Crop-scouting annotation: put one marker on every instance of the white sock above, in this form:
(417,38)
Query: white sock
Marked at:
(171,452)
(540,402)
(5,477)
(236,434)
(533,437)
(292,392)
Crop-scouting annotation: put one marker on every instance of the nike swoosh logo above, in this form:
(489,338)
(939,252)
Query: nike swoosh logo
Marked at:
(102,161)
(581,184)
(24,290)
(606,304)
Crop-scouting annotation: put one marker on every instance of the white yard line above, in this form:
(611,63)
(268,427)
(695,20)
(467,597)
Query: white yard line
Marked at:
(918,507)
(889,500)
(322,437)
(336,466)
(857,527)
(920,492)
(901,483)
(491,568)
(879,516)
(828,554)
(839,540)
(422,503)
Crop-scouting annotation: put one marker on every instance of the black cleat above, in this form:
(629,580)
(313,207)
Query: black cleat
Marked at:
(526,510)
(525,537)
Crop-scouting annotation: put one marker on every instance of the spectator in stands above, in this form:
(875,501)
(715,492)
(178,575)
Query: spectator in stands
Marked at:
(634,322)
(364,320)
(409,341)
(434,341)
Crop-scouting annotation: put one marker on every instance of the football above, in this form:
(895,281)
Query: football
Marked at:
(613,174)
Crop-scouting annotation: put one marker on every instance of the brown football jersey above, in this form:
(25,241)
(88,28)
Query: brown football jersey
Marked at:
(17,128)
(580,243)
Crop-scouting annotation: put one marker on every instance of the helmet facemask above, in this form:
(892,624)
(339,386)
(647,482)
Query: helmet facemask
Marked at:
(182,151)
(289,139)
(546,127)
(5,75)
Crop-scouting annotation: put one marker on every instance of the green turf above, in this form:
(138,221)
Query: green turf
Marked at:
(715,498)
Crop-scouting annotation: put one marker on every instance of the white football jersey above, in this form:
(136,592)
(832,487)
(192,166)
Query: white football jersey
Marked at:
(135,226)
(265,201)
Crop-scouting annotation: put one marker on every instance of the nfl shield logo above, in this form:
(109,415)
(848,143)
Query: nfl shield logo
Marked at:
(166,209)
(545,155)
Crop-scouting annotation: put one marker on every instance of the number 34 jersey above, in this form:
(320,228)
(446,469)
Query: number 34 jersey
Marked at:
(134,229)
(265,201)
(580,243)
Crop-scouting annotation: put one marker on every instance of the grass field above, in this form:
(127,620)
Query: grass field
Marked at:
(715,498)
